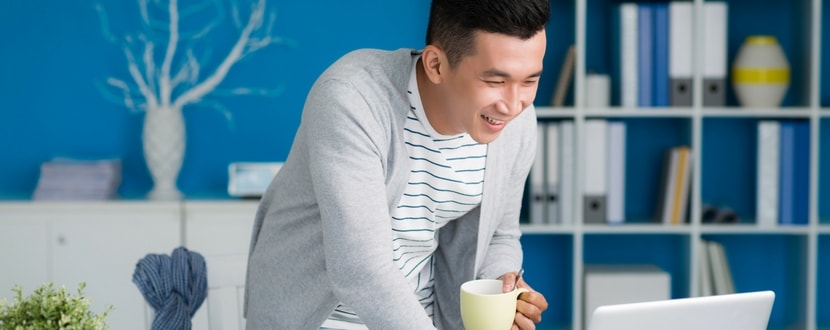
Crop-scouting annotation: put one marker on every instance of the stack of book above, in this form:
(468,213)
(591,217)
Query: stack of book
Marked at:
(69,179)
(673,204)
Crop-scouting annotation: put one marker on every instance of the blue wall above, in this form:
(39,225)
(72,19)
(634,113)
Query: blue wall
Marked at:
(55,56)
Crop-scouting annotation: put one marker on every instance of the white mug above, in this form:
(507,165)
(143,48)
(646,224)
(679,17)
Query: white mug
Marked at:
(485,307)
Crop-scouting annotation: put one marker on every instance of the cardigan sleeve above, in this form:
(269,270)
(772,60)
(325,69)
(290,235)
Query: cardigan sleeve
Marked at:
(347,163)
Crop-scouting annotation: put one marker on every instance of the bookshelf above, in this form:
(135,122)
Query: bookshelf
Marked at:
(792,260)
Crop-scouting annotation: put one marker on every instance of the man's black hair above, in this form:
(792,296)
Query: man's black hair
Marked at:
(452,23)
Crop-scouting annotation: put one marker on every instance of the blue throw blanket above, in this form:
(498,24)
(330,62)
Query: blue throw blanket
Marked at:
(174,286)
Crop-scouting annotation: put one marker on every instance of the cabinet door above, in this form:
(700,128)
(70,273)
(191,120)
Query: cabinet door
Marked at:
(219,228)
(101,246)
(24,259)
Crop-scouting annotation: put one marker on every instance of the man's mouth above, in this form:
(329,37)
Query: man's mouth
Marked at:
(492,121)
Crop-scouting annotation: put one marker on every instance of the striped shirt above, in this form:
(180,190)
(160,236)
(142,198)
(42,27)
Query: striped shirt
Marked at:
(445,182)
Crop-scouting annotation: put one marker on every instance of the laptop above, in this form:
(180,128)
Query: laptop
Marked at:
(738,311)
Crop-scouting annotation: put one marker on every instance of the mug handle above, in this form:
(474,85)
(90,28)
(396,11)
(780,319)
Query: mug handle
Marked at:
(519,291)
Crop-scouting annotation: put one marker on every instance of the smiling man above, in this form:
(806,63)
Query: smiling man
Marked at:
(405,179)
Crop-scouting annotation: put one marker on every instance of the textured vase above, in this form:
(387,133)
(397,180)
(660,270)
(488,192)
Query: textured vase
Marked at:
(760,72)
(164,140)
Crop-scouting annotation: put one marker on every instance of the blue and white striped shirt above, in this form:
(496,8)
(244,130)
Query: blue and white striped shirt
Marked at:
(445,182)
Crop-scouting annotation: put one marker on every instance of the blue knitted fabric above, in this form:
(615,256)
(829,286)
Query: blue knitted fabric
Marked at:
(174,286)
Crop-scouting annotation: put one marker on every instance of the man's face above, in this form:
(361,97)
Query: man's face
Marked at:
(493,85)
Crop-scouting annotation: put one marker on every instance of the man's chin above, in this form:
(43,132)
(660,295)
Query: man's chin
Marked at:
(484,138)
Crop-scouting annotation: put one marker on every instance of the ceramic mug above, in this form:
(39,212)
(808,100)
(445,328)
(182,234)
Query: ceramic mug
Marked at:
(485,307)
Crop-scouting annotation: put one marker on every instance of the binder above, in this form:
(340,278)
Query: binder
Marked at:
(660,79)
(801,198)
(552,173)
(537,179)
(566,172)
(786,168)
(625,72)
(714,53)
(645,54)
(767,173)
(594,205)
(616,173)
(680,53)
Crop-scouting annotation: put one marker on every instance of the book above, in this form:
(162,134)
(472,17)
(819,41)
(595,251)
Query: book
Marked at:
(680,200)
(719,265)
(705,271)
(565,77)
(666,197)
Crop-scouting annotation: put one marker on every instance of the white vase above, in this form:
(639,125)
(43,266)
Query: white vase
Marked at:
(760,72)
(164,140)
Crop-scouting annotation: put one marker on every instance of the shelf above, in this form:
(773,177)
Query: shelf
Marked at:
(753,229)
(551,112)
(636,229)
(803,113)
(617,112)
(547,229)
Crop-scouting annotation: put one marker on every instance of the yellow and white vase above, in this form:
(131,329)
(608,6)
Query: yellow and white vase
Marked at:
(760,72)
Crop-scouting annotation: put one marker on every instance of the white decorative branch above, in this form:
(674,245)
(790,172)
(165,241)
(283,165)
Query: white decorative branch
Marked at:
(175,81)
(196,93)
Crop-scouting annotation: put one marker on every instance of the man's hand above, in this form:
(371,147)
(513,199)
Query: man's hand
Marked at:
(530,305)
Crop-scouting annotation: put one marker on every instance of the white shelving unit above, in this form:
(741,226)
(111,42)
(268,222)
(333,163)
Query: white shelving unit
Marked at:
(805,237)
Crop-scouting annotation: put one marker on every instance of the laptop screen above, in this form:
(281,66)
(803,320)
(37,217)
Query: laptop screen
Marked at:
(739,311)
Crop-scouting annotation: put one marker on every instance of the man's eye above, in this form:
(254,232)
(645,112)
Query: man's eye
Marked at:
(494,83)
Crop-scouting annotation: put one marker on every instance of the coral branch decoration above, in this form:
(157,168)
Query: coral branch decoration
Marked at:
(165,73)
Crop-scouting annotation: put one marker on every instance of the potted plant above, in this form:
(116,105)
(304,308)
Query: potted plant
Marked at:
(51,308)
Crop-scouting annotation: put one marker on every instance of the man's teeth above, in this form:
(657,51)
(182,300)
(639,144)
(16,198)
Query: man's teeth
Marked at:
(493,121)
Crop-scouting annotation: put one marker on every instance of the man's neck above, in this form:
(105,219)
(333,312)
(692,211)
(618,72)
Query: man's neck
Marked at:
(429,99)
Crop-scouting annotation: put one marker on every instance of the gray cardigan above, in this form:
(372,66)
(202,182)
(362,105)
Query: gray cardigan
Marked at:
(322,233)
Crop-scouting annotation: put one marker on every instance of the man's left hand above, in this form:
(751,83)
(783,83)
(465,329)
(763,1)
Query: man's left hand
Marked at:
(530,305)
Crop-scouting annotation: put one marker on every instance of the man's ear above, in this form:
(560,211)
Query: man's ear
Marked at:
(435,63)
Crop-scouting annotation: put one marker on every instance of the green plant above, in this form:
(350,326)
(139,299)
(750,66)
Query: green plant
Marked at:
(49,308)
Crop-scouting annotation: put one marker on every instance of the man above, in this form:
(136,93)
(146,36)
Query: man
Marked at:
(405,179)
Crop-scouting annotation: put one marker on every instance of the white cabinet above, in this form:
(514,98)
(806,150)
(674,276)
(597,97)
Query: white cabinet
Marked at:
(100,243)
(96,243)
